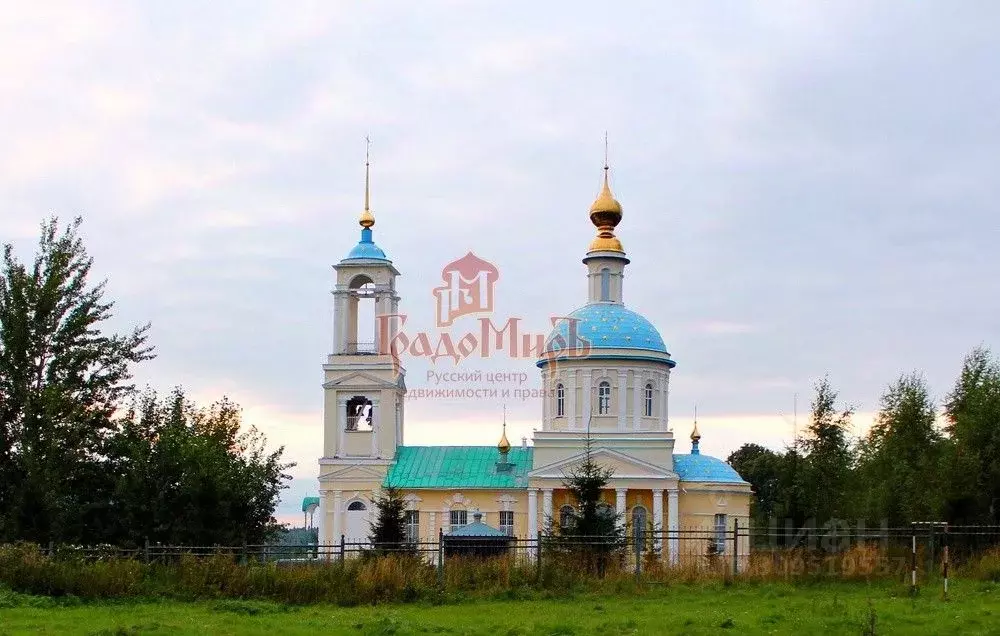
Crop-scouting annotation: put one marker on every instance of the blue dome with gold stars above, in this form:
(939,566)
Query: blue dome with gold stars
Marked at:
(605,325)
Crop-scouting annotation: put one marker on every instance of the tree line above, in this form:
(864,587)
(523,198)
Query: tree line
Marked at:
(916,463)
(87,458)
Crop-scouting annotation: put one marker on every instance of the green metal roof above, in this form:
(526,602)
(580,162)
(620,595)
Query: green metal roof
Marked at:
(458,467)
(309,501)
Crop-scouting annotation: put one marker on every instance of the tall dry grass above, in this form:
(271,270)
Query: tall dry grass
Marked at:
(403,578)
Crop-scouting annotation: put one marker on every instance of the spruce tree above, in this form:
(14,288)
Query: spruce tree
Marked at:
(593,529)
(389,530)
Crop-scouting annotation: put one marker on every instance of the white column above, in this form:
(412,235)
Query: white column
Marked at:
(622,398)
(571,400)
(672,526)
(342,425)
(587,395)
(657,516)
(432,518)
(620,504)
(532,519)
(663,400)
(547,508)
(339,321)
(379,311)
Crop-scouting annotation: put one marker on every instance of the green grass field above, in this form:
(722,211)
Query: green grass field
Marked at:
(829,608)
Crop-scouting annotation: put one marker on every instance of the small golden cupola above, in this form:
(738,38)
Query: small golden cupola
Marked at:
(695,438)
(504,445)
(606,214)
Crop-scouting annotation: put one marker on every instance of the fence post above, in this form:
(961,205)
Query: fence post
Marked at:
(440,563)
(930,550)
(538,555)
(52,549)
(736,546)
(945,555)
(343,544)
(913,560)
(145,552)
(638,556)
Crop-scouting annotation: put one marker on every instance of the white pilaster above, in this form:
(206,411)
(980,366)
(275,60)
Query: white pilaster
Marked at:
(532,519)
(673,518)
(571,399)
(376,414)
(432,519)
(666,401)
(622,397)
(663,401)
(337,513)
(620,504)
(638,399)
(547,508)
(323,537)
(587,395)
(657,516)
(341,426)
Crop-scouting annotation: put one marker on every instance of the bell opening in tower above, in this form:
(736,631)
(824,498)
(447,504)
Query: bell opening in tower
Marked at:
(362,339)
(359,413)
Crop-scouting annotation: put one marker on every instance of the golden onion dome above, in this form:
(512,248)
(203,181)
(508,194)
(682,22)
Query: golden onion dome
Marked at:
(606,201)
(606,214)
(367,218)
(504,445)
(695,435)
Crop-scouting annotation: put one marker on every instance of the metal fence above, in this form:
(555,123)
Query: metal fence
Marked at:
(920,549)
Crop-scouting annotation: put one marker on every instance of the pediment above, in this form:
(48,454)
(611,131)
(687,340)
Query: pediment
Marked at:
(623,466)
(357,472)
(361,380)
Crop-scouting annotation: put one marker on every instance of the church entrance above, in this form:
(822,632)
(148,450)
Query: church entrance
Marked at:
(357,526)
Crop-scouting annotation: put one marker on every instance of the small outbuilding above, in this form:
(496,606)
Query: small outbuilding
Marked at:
(476,539)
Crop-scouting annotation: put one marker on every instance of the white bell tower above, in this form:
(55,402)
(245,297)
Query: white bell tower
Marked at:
(363,384)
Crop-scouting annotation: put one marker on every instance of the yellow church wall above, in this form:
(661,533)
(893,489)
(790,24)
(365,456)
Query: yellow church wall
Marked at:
(698,505)
(434,507)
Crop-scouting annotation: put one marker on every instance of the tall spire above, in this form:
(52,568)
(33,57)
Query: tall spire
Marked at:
(606,213)
(367,219)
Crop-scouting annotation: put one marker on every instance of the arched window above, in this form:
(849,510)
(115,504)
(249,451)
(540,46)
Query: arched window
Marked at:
(603,398)
(560,400)
(605,284)
(357,505)
(566,517)
(639,525)
(649,400)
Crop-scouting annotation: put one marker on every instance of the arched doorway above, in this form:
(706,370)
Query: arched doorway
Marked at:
(357,526)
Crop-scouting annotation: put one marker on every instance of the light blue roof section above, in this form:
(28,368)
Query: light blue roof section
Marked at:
(309,501)
(458,467)
(705,468)
(606,326)
(366,248)
(477,529)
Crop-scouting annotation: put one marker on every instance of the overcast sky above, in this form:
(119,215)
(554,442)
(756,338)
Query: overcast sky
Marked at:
(808,188)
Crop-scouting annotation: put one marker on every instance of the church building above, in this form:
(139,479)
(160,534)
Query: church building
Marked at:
(605,371)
